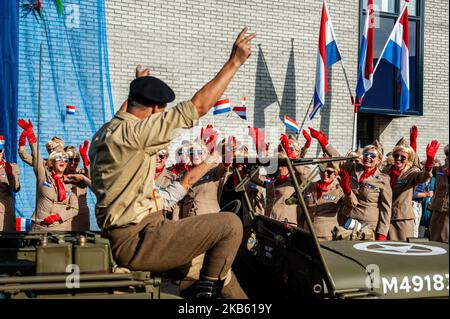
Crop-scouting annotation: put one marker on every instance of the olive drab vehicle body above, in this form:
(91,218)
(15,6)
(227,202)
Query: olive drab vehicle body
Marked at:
(68,265)
(294,264)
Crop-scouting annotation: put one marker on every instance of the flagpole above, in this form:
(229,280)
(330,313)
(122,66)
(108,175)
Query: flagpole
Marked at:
(306,115)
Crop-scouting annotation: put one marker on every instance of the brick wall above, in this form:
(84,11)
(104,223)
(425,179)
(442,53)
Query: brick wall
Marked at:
(186,42)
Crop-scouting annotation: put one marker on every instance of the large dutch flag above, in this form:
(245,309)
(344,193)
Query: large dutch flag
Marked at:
(327,55)
(222,106)
(396,52)
(365,66)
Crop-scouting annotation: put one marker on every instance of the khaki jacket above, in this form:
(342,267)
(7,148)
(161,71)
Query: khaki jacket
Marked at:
(7,214)
(371,201)
(324,210)
(165,178)
(82,220)
(123,161)
(23,154)
(440,196)
(403,191)
(204,196)
(48,197)
(276,195)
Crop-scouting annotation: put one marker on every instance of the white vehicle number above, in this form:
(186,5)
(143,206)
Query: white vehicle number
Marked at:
(415,283)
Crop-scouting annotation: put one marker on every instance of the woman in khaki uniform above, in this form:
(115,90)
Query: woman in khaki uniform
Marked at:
(53,144)
(439,205)
(371,193)
(404,176)
(9,182)
(204,196)
(57,205)
(324,200)
(80,182)
(281,188)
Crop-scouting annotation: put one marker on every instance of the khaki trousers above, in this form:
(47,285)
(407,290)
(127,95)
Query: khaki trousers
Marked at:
(401,229)
(159,245)
(439,226)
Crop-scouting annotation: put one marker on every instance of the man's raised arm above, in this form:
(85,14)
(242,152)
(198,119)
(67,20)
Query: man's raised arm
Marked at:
(205,98)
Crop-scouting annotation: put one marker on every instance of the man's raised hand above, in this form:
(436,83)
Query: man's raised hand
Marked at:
(241,48)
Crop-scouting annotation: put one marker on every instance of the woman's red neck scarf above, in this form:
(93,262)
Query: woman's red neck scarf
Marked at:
(394,173)
(2,163)
(60,187)
(281,179)
(367,173)
(322,187)
(158,171)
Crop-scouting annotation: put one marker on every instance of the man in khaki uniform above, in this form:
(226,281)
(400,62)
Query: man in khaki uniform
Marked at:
(129,208)
(9,182)
(439,205)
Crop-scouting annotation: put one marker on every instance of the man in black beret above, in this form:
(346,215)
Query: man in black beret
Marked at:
(129,208)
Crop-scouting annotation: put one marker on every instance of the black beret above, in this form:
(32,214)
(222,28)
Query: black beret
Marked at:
(150,90)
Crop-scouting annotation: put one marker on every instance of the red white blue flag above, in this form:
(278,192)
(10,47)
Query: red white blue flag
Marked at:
(222,106)
(291,124)
(327,55)
(365,66)
(70,109)
(23,224)
(396,52)
(2,141)
(241,111)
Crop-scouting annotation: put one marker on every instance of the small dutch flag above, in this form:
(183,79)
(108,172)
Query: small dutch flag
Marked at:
(291,124)
(241,111)
(222,106)
(23,224)
(2,140)
(70,109)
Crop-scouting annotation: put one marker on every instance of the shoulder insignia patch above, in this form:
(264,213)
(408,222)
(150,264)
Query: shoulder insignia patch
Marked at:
(372,187)
(46,184)
(3,175)
(329,197)
(440,174)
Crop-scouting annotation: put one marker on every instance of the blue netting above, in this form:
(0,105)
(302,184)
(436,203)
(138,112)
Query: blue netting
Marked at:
(74,72)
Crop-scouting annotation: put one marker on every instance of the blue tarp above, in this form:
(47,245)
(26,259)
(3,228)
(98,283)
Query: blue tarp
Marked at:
(74,72)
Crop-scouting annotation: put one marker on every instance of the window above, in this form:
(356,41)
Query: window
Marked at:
(384,96)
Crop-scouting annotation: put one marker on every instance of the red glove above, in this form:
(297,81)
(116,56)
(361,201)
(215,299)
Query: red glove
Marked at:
(413,132)
(209,137)
(320,137)
(259,139)
(344,181)
(307,138)
(23,138)
(380,237)
(83,153)
(52,219)
(28,127)
(432,149)
(447,172)
(285,142)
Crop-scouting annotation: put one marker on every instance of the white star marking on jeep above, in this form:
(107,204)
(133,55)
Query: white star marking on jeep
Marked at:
(398,248)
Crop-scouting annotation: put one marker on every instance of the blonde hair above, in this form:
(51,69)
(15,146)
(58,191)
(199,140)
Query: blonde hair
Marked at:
(71,152)
(55,143)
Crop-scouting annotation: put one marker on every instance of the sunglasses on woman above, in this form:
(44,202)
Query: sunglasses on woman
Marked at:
(328,171)
(61,159)
(74,160)
(196,152)
(400,157)
(370,154)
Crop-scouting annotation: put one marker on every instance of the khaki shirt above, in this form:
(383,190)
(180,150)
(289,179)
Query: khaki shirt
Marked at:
(324,210)
(440,196)
(82,220)
(165,178)
(23,154)
(203,197)
(403,191)
(371,200)
(7,215)
(123,161)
